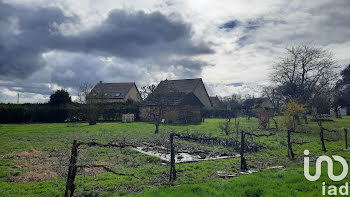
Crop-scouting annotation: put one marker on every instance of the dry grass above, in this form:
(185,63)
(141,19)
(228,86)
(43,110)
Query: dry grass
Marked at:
(34,165)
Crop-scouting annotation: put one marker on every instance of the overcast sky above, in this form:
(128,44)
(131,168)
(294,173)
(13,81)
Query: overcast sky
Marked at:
(230,44)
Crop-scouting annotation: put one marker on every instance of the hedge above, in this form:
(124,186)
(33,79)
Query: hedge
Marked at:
(46,113)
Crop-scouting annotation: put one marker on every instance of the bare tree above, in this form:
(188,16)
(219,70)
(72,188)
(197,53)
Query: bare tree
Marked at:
(89,107)
(145,91)
(84,90)
(303,72)
(156,104)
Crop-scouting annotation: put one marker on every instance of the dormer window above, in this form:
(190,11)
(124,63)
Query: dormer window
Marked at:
(117,94)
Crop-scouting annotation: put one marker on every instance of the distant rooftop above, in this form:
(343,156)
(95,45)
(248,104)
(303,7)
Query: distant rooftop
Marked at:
(111,90)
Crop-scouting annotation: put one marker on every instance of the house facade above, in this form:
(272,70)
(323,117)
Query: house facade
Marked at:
(114,92)
(176,101)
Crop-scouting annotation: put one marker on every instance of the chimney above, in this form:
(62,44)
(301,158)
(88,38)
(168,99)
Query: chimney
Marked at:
(100,81)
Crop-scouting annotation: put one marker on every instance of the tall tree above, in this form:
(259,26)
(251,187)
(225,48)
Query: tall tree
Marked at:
(344,97)
(303,72)
(60,97)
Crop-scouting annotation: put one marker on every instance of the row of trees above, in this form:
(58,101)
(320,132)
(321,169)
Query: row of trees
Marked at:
(307,75)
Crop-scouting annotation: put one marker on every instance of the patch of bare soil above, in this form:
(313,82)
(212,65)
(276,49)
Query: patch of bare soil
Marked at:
(34,166)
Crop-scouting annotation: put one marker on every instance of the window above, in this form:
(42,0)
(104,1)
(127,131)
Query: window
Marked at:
(117,94)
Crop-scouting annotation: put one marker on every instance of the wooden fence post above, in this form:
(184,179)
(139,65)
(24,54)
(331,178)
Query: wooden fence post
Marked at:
(322,139)
(172,176)
(289,144)
(346,137)
(72,170)
(243,161)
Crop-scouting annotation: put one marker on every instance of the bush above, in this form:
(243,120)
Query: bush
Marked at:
(292,114)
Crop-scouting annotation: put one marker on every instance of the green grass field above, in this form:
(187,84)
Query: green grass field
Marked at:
(34,159)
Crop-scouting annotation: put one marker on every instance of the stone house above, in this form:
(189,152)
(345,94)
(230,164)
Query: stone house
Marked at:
(176,101)
(114,92)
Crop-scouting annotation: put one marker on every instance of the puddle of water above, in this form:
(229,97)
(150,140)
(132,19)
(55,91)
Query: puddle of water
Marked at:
(179,157)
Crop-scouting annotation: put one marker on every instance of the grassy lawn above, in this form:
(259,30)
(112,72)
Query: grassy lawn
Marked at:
(34,159)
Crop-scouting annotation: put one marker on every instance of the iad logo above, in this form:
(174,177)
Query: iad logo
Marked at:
(332,190)
(330,167)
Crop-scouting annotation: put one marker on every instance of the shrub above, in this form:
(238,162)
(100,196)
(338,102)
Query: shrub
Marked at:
(291,114)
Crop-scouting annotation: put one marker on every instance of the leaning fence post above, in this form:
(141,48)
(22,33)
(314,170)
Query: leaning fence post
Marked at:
(172,176)
(72,170)
(346,137)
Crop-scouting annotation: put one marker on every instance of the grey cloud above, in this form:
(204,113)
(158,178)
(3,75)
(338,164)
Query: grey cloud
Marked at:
(139,35)
(324,23)
(25,34)
(22,86)
(129,35)
(188,68)
(331,22)
(87,68)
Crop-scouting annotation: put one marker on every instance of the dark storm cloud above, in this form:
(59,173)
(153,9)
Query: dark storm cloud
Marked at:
(29,32)
(117,70)
(25,34)
(138,35)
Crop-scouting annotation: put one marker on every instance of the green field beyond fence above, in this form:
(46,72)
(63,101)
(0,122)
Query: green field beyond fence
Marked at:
(34,159)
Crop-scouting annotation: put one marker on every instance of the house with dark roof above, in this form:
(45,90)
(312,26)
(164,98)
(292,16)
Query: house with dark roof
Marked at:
(216,103)
(114,92)
(176,101)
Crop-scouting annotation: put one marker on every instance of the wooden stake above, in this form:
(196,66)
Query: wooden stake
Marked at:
(72,170)
(172,176)
(346,137)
